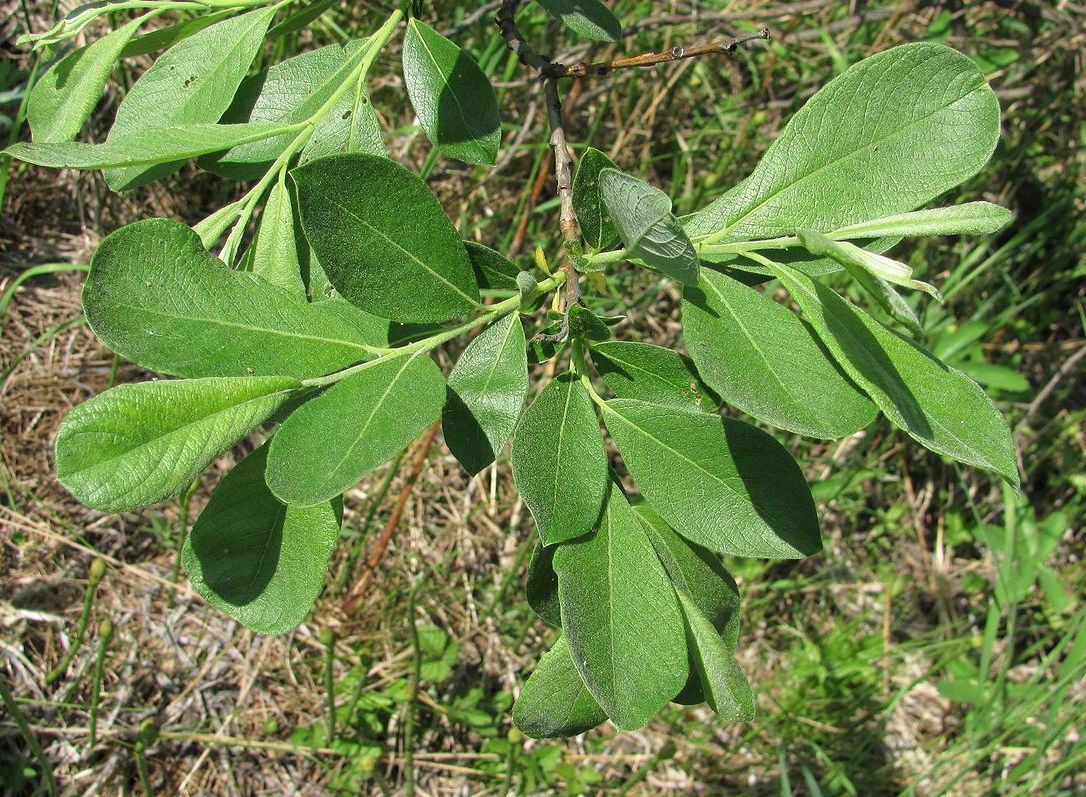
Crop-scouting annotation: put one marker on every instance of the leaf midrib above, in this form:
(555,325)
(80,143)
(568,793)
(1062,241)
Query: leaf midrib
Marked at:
(464,117)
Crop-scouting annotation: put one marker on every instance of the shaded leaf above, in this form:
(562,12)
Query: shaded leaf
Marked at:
(722,682)
(554,702)
(588,18)
(592,215)
(651,373)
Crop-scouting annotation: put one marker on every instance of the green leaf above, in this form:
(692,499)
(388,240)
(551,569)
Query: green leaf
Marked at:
(286,93)
(971,218)
(588,18)
(168,36)
(596,224)
(697,572)
(725,687)
(454,100)
(651,373)
(64,97)
(329,443)
(554,702)
(722,484)
(757,355)
(621,617)
(191,83)
(351,125)
(939,407)
(559,461)
(487,389)
(586,325)
(156,297)
(492,269)
(275,247)
(383,239)
(541,587)
(152,145)
(642,216)
(256,559)
(889,135)
(856,262)
(135,445)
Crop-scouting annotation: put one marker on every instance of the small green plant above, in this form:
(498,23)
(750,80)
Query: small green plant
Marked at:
(318,328)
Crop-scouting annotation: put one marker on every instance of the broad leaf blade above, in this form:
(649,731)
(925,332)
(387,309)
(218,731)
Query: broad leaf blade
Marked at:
(325,446)
(487,389)
(651,373)
(588,18)
(621,617)
(760,357)
(135,445)
(722,484)
(592,215)
(722,682)
(156,297)
(383,240)
(887,136)
(554,702)
(64,97)
(454,100)
(941,408)
(256,559)
(559,461)
(492,269)
(642,216)
(192,82)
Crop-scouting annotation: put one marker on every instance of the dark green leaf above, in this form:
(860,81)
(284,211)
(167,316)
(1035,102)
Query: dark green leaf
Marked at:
(554,702)
(487,389)
(722,484)
(588,18)
(941,408)
(256,559)
(596,224)
(722,682)
(492,269)
(454,100)
(621,617)
(760,357)
(135,445)
(651,373)
(542,585)
(156,297)
(585,324)
(332,441)
(559,461)
(383,239)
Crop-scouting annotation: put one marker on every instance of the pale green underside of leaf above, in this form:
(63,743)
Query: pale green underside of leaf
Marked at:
(329,443)
(156,297)
(723,684)
(486,393)
(256,559)
(970,218)
(722,484)
(940,407)
(642,216)
(383,240)
(588,18)
(889,135)
(135,445)
(64,97)
(149,146)
(453,98)
(650,373)
(554,702)
(759,357)
(559,461)
(621,617)
(191,83)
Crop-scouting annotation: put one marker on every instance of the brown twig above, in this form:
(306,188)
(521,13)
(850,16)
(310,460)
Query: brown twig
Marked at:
(667,56)
(358,591)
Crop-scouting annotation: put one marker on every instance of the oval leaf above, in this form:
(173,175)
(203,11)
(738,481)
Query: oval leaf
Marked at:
(941,408)
(651,373)
(135,445)
(764,360)
(592,215)
(722,484)
(554,702)
(325,446)
(256,559)
(454,100)
(383,239)
(722,682)
(157,298)
(559,461)
(588,18)
(487,389)
(621,617)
